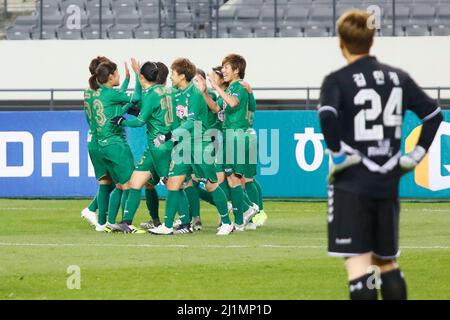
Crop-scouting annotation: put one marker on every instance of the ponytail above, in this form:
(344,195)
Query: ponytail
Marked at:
(101,74)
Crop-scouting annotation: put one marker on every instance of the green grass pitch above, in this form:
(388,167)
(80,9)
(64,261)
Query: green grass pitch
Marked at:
(285,259)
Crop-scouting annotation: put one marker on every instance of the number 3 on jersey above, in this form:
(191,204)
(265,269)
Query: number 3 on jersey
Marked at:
(392,115)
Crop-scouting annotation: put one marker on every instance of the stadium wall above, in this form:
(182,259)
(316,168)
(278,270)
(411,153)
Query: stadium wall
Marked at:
(273,62)
(44,154)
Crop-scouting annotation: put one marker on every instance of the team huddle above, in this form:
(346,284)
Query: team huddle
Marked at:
(200,144)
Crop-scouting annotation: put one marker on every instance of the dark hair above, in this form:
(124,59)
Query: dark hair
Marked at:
(236,62)
(96,62)
(150,71)
(184,66)
(353,29)
(201,72)
(102,73)
(163,72)
(218,70)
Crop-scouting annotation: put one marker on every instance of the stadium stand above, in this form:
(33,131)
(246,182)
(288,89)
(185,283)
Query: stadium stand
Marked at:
(145,19)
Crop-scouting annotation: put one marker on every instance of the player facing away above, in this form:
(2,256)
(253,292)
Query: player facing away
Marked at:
(361,111)
(193,110)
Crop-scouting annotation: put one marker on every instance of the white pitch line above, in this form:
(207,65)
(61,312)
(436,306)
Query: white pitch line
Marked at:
(276,246)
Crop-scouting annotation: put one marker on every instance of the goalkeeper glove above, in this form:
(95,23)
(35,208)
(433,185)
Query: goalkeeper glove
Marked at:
(134,111)
(161,139)
(340,161)
(117,120)
(411,159)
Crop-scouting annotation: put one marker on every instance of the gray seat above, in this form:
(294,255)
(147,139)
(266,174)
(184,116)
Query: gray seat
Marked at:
(386,30)
(227,12)
(49,11)
(417,31)
(240,32)
(151,13)
(248,11)
(107,20)
(316,31)
(298,14)
(53,20)
(69,34)
(48,33)
(402,13)
(443,13)
(146,31)
(48,4)
(321,16)
(72,21)
(264,31)
(423,13)
(290,31)
(26,22)
(268,13)
(17,33)
(121,32)
(440,30)
(78,3)
(93,6)
(124,6)
(92,32)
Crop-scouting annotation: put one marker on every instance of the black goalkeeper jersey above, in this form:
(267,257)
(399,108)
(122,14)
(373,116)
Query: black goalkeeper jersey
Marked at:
(370,100)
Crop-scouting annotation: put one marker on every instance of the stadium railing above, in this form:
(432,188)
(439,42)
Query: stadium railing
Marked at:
(269,98)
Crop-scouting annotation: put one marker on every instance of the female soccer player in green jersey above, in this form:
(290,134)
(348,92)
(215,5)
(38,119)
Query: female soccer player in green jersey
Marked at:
(109,103)
(101,200)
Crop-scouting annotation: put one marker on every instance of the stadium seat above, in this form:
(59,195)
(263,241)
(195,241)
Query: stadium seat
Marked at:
(417,30)
(227,12)
(107,20)
(386,30)
(69,34)
(146,31)
(268,13)
(26,22)
(248,12)
(264,31)
(48,33)
(321,16)
(53,20)
(290,31)
(440,30)
(423,13)
(78,3)
(93,6)
(316,31)
(17,33)
(124,6)
(443,13)
(55,4)
(296,14)
(121,32)
(151,13)
(402,14)
(240,32)
(92,32)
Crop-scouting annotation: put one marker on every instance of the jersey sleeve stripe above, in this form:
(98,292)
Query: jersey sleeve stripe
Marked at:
(433,114)
(328,108)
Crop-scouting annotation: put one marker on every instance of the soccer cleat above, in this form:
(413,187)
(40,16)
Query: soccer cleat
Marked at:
(100,227)
(161,230)
(176,223)
(256,207)
(250,226)
(112,227)
(249,214)
(239,227)
(135,230)
(184,228)
(225,229)
(125,228)
(260,218)
(196,223)
(90,216)
(150,224)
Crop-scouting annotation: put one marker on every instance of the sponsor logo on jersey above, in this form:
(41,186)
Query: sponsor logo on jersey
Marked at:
(433,172)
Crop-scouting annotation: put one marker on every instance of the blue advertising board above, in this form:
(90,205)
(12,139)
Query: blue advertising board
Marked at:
(44,154)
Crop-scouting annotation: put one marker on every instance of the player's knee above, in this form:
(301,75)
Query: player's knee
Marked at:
(211,186)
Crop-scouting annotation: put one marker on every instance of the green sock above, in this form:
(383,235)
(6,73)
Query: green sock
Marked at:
(237,198)
(172,205)
(132,204)
(102,200)
(93,206)
(226,188)
(247,202)
(220,201)
(193,200)
(261,202)
(152,201)
(252,192)
(114,204)
(123,201)
(206,196)
(183,208)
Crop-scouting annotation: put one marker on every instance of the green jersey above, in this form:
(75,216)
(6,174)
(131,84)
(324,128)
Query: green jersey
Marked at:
(88,102)
(240,116)
(213,120)
(158,112)
(107,104)
(192,108)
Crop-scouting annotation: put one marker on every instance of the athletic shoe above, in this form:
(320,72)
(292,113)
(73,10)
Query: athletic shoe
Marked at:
(150,224)
(177,223)
(196,223)
(100,227)
(125,228)
(161,230)
(250,226)
(184,228)
(90,216)
(112,227)
(220,225)
(136,230)
(256,207)
(239,227)
(249,214)
(260,218)
(225,229)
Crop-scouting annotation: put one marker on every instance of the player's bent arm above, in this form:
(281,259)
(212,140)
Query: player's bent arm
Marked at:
(137,95)
(229,100)
(124,86)
(212,105)
(329,123)
(251,102)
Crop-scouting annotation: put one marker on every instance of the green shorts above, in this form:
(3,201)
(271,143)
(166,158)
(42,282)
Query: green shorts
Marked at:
(195,165)
(240,154)
(119,161)
(97,161)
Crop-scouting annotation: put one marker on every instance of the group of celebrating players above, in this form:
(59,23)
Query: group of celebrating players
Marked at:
(200,144)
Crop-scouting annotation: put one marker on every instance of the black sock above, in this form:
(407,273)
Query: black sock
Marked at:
(359,291)
(393,285)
